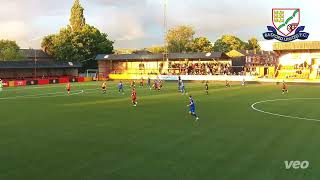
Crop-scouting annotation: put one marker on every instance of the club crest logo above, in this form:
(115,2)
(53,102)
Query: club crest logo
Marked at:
(286,25)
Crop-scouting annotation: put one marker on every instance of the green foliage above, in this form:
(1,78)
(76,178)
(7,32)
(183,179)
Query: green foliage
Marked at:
(79,45)
(229,42)
(156,49)
(9,50)
(253,44)
(201,44)
(78,41)
(77,20)
(180,38)
(47,44)
(124,51)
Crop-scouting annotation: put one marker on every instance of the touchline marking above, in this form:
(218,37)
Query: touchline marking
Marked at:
(48,95)
(281,115)
(22,88)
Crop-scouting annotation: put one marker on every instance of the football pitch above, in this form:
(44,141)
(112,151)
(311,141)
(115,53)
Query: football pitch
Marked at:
(46,135)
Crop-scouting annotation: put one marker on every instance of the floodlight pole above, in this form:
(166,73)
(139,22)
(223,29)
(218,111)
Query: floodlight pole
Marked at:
(165,3)
(165,29)
(35,64)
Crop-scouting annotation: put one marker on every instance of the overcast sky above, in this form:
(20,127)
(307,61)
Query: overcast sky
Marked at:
(139,23)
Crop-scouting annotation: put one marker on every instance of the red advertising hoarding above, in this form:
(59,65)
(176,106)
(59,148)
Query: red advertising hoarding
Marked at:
(80,79)
(20,83)
(43,81)
(63,80)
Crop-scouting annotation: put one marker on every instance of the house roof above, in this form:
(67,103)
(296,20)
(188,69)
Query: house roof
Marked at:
(39,64)
(32,53)
(235,53)
(299,45)
(171,56)
(253,53)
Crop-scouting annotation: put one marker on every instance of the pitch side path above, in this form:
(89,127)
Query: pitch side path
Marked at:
(47,135)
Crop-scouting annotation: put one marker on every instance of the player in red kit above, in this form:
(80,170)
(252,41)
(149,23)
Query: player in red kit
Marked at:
(134,97)
(68,87)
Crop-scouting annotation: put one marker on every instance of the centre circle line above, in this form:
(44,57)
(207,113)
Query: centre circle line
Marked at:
(281,115)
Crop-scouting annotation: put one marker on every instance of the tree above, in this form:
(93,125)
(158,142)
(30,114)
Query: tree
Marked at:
(74,46)
(88,43)
(63,48)
(124,51)
(201,44)
(253,44)
(9,50)
(77,20)
(156,49)
(47,44)
(78,41)
(180,38)
(227,43)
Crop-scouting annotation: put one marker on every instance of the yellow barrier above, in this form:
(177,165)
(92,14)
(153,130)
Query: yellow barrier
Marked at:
(130,76)
(102,79)
(271,71)
(120,76)
(11,83)
(261,71)
(87,79)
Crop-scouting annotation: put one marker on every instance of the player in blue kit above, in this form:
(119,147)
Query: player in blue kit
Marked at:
(120,87)
(192,108)
(182,88)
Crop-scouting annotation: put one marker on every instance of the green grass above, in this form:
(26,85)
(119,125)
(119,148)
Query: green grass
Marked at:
(92,136)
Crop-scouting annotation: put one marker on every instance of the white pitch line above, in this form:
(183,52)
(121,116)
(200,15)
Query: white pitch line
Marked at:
(48,95)
(281,115)
(22,88)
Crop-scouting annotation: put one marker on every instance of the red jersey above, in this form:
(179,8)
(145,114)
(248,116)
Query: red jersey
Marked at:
(134,95)
(68,86)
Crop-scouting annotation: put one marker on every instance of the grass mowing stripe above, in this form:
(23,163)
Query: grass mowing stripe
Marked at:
(50,139)
(157,96)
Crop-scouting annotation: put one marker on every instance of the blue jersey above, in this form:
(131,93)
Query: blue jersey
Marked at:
(192,105)
(120,86)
